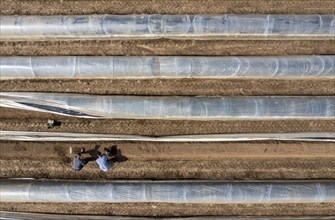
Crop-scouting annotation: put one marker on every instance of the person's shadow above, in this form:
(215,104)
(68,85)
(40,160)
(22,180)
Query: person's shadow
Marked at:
(118,157)
(92,152)
(114,153)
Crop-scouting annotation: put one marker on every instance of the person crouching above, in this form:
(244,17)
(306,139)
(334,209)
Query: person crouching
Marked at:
(103,161)
(79,163)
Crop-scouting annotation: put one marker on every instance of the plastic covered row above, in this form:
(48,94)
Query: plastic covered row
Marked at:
(167,67)
(36,216)
(167,191)
(173,26)
(175,107)
(61,136)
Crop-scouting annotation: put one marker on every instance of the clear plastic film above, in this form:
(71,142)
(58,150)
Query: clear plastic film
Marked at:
(173,107)
(61,136)
(167,191)
(172,26)
(166,67)
(36,216)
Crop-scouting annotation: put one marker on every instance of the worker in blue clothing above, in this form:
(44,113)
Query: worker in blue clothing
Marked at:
(79,163)
(103,161)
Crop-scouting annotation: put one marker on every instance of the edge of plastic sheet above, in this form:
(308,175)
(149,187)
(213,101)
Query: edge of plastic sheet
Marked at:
(59,136)
(30,216)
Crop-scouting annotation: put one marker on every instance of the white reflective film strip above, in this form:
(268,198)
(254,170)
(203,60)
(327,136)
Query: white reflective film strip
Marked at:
(167,191)
(30,216)
(155,26)
(182,107)
(167,67)
(58,136)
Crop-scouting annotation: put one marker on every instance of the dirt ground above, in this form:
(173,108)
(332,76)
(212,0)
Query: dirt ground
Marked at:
(189,151)
(144,160)
(261,160)
(210,87)
(168,47)
(80,7)
(20,120)
(229,169)
(165,209)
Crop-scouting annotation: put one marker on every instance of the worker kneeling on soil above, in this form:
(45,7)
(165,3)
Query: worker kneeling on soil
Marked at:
(104,163)
(79,163)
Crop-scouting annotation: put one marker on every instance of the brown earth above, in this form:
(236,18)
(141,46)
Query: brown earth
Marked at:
(20,120)
(168,47)
(210,87)
(165,209)
(188,151)
(72,7)
(263,160)
(211,161)
(227,169)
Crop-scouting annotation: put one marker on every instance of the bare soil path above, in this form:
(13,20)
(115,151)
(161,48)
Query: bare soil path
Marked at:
(20,120)
(80,7)
(267,160)
(187,87)
(168,47)
(165,209)
(214,161)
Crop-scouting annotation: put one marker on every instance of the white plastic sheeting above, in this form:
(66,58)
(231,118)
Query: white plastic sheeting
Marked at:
(171,107)
(155,26)
(167,191)
(33,216)
(168,67)
(60,136)
(256,107)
